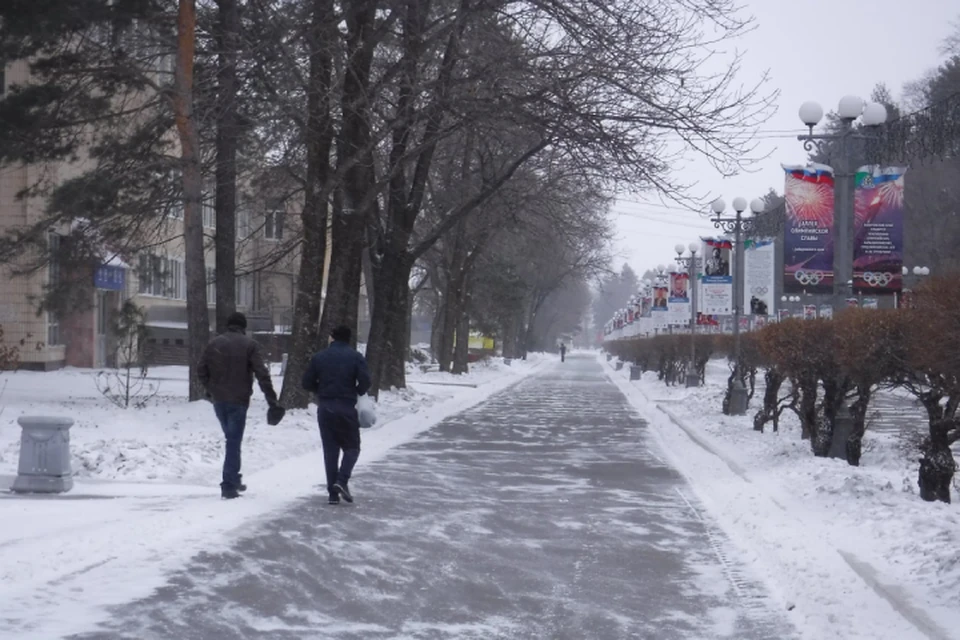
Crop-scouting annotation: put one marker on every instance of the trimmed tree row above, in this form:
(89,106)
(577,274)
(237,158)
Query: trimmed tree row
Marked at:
(821,369)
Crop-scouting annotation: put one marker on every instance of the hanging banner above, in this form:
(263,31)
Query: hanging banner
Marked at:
(878,229)
(716,285)
(870,303)
(808,232)
(679,300)
(705,320)
(826,311)
(660,298)
(759,272)
(809,312)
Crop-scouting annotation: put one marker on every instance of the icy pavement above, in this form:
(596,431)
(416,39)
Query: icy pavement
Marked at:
(544,512)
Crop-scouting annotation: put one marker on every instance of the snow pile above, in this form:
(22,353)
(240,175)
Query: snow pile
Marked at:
(63,559)
(827,534)
(174,441)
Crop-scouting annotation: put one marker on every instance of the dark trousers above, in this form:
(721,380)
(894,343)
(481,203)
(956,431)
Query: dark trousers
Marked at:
(233,420)
(339,432)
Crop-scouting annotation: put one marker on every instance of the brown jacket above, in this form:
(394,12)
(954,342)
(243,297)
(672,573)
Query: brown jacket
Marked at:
(228,366)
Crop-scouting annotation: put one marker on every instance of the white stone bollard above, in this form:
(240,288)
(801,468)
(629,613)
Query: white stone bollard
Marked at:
(283,365)
(44,455)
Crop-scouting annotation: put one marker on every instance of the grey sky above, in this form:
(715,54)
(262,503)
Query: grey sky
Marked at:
(815,50)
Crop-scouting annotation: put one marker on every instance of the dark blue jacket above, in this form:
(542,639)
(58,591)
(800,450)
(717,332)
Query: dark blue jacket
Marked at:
(337,373)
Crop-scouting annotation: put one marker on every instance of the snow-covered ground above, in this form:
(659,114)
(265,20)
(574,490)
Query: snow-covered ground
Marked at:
(146,494)
(853,550)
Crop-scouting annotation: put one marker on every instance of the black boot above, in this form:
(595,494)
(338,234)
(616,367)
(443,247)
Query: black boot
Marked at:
(334,498)
(341,488)
(229,492)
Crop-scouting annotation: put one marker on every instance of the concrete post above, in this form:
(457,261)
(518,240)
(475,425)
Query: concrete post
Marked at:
(44,455)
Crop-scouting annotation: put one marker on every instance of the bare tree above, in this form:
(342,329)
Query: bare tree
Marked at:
(225,203)
(319,139)
(198,319)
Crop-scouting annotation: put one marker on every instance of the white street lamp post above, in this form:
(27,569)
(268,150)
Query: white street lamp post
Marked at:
(871,115)
(693,377)
(737,225)
(918,273)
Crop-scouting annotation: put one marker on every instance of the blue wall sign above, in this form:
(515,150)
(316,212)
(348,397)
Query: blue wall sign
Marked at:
(109,278)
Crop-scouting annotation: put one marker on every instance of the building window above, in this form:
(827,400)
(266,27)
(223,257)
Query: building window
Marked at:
(244,291)
(273,222)
(53,281)
(211,285)
(243,222)
(161,277)
(208,207)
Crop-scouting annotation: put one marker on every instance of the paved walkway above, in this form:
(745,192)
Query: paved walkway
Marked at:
(541,513)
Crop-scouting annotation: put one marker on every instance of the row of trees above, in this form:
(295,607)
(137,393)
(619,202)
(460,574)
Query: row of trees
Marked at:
(819,369)
(457,149)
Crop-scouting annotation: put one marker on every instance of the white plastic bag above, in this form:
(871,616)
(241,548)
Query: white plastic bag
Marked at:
(366,411)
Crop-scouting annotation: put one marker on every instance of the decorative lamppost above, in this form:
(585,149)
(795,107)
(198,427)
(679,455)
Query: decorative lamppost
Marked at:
(693,378)
(917,273)
(792,300)
(737,225)
(872,114)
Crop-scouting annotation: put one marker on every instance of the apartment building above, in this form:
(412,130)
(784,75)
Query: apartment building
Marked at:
(153,278)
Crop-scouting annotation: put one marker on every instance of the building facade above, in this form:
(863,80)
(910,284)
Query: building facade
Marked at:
(267,242)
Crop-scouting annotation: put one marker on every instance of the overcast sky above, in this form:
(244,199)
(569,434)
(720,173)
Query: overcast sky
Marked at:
(814,50)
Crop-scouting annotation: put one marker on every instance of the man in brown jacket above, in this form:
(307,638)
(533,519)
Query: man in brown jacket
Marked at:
(226,370)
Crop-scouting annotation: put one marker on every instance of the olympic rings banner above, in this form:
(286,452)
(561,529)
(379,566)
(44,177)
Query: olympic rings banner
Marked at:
(808,234)
(759,272)
(878,229)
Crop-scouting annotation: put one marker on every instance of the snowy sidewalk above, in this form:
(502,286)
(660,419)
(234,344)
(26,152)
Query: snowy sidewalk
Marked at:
(544,512)
(146,498)
(853,549)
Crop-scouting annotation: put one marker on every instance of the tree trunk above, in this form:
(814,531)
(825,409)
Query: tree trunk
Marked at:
(937,466)
(808,408)
(225,204)
(448,323)
(834,394)
(391,290)
(198,318)
(773,380)
(357,207)
(510,336)
(319,135)
(342,304)
(436,327)
(858,409)
(461,355)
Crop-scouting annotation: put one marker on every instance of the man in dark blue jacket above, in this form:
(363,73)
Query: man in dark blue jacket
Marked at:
(336,376)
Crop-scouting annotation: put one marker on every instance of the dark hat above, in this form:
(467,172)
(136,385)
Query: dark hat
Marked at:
(237,319)
(341,334)
(275,414)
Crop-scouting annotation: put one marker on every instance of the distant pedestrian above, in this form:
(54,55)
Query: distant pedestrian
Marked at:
(226,371)
(337,376)
(563,352)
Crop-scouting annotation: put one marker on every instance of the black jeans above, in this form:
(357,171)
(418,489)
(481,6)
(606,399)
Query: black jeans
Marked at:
(233,421)
(339,432)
